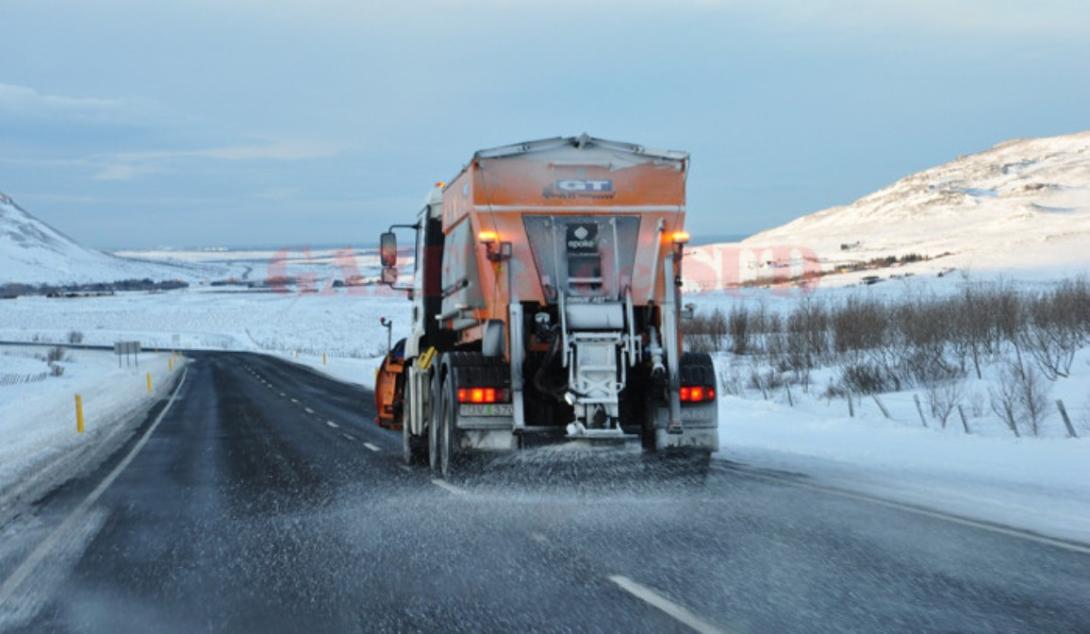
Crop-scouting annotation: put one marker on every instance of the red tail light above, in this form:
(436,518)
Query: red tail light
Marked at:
(696,393)
(483,395)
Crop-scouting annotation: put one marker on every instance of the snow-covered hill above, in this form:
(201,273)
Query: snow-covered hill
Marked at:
(32,252)
(1021,206)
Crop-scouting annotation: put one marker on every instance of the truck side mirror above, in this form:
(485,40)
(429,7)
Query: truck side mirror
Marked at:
(389,275)
(388,249)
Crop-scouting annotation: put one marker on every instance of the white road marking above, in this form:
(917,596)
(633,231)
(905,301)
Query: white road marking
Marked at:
(953,519)
(406,468)
(308,410)
(282,394)
(371,447)
(348,436)
(449,487)
(73,520)
(539,537)
(679,613)
(294,400)
(332,424)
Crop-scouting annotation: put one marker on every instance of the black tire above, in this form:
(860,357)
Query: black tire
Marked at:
(434,419)
(696,368)
(648,438)
(448,430)
(414,449)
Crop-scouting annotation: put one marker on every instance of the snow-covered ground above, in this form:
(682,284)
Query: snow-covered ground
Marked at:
(39,445)
(1042,484)
(342,325)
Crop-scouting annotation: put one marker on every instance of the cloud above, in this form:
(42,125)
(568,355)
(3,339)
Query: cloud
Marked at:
(129,165)
(987,17)
(24,102)
(124,171)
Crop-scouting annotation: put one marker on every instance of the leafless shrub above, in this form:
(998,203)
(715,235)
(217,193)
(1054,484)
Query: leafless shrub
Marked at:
(765,381)
(1056,326)
(75,337)
(1033,397)
(1004,398)
(919,340)
(833,390)
(56,370)
(1022,393)
(866,378)
(706,332)
(738,324)
(943,397)
(860,325)
(54,354)
(730,382)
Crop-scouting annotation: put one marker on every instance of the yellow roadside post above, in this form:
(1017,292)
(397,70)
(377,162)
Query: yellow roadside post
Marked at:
(324,361)
(170,363)
(149,382)
(79,414)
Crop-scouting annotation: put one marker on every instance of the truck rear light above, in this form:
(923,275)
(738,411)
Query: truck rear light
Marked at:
(696,393)
(483,395)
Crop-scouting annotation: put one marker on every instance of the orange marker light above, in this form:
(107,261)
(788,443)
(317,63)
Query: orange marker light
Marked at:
(681,237)
(487,236)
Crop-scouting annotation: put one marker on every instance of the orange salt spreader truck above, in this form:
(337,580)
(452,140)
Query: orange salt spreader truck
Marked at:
(545,297)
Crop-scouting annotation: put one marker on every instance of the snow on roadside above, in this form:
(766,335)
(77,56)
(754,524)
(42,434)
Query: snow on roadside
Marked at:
(1041,484)
(341,325)
(37,420)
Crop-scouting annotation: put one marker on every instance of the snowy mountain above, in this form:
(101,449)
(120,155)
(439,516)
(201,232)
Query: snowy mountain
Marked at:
(32,252)
(1023,205)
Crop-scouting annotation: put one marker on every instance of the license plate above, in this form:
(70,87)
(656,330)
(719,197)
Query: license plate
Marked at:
(489,409)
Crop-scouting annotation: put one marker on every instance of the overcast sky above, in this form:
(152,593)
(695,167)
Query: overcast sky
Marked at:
(139,124)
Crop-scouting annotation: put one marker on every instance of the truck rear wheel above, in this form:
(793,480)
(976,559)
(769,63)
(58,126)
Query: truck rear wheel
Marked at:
(696,368)
(448,430)
(435,418)
(414,448)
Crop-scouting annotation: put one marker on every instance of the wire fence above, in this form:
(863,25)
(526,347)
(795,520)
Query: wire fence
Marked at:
(18,379)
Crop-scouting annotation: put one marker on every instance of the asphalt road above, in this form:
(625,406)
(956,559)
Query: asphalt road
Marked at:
(264,499)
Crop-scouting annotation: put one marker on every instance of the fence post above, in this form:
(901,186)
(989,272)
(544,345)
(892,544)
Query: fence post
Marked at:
(79,414)
(324,360)
(964,422)
(851,406)
(881,406)
(1067,420)
(919,408)
(790,400)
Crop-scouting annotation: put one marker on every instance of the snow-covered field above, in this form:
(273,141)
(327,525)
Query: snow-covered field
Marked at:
(39,444)
(343,324)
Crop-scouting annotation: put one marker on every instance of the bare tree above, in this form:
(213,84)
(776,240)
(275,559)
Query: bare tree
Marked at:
(738,323)
(1032,396)
(943,397)
(1004,398)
